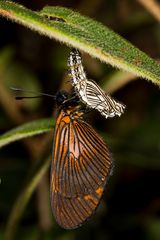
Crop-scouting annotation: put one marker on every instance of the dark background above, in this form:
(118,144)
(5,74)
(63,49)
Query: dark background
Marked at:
(131,204)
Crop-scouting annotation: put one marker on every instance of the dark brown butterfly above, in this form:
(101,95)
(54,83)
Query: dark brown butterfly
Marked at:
(81,163)
(80,167)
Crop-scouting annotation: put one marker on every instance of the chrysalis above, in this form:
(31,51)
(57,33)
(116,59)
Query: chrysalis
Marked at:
(88,90)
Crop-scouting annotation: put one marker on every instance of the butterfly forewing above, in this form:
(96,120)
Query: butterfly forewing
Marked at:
(80,168)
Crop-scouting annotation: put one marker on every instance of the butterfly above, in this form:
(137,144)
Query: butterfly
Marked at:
(88,90)
(81,165)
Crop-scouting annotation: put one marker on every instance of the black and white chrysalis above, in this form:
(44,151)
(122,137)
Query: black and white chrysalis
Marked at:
(88,90)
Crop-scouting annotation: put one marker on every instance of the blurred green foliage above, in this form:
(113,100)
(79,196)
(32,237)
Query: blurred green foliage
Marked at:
(130,207)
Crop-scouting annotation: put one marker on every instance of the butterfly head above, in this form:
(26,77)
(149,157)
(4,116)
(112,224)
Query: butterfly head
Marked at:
(65,99)
(61,97)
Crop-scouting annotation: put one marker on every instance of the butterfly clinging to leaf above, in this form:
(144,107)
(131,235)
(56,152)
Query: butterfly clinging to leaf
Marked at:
(80,167)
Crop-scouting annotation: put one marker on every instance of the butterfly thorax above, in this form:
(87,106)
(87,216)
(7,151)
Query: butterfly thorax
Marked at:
(71,112)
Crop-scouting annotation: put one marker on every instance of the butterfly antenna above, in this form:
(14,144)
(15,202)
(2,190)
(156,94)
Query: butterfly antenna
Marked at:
(32,92)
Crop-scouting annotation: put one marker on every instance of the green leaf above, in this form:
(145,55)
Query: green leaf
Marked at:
(86,34)
(27,130)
